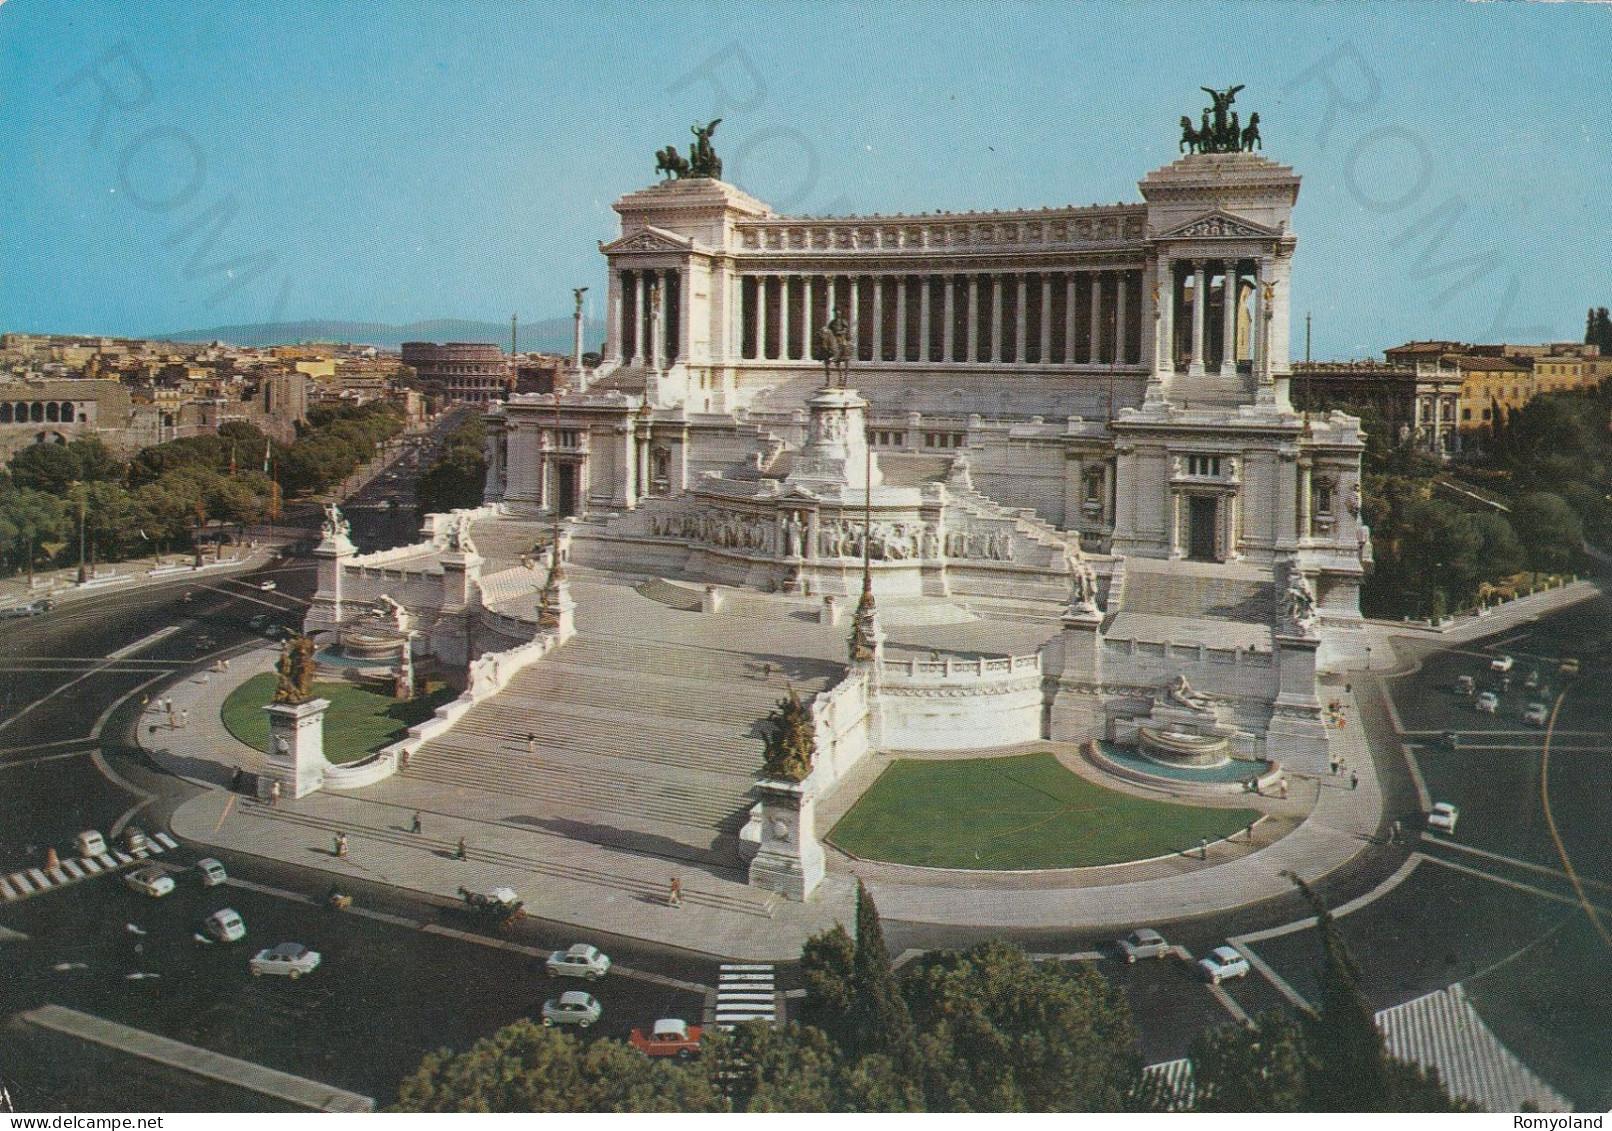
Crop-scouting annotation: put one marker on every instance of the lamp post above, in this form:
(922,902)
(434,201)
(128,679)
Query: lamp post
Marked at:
(83,575)
(548,607)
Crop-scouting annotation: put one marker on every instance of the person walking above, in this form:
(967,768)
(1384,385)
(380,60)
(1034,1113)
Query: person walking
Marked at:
(1394,833)
(1354,780)
(274,795)
(1203,848)
(1334,763)
(674,894)
(417,827)
(531,744)
(460,852)
(341,845)
(184,718)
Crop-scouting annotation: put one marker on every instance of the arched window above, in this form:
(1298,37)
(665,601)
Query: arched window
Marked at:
(67,412)
(5,412)
(53,411)
(36,412)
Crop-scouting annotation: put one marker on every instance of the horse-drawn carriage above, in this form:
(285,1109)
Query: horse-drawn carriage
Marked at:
(500,905)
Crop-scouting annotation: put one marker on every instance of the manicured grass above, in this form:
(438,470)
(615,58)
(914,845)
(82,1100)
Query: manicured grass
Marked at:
(357,723)
(1025,811)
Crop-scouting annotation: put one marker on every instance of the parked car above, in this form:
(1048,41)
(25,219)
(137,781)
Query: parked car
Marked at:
(1144,942)
(1537,713)
(268,586)
(151,881)
(669,1037)
(225,925)
(1533,679)
(579,961)
(1501,664)
(1488,702)
(212,872)
(1465,685)
(573,1007)
(135,841)
(1221,963)
(1442,817)
(90,843)
(291,959)
(1568,666)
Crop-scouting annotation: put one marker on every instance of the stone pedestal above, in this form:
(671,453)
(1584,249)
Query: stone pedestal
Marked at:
(1297,733)
(556,610)
(297,745)
(332,553)
(790,861)
(836,453)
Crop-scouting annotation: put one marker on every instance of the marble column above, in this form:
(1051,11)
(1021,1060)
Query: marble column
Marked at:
(854,315)
(948,332)
(1069,357)
(974,321)
(901,318)
(657,314)
(1199,308)
(1175,524)
(1228,319)
(1304,499)
(637,312)
(784,287)
(613,314)
(1164,329)
(1094,351)
(878,318)
(926,283)
(1045,355)
(996,317)
(1122,287)
(1256,323)
(1021,319)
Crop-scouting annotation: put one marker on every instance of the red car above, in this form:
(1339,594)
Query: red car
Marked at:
(670,1037)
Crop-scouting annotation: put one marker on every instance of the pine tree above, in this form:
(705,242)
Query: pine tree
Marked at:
(882,1023)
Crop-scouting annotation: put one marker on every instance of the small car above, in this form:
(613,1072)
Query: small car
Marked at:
(289,958)
(1465,685)
(573,1007)
(150,881)
(90,843)
(1533,680)
(1221,963)
(268,586)
(578,961)
(1488,702)
(669,1037)
(1144,942)
(1568,666)
(211,871)
(1501,664)
(1537,713)
(1442,817)
(225,925)
(135,841)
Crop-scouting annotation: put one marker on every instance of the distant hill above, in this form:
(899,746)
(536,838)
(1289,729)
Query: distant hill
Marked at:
(551,335)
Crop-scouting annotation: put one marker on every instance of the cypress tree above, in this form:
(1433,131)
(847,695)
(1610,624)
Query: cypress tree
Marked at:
(882,1023)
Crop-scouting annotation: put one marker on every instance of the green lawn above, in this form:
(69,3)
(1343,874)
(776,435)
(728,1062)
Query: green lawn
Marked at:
(357,724)
(1025,811)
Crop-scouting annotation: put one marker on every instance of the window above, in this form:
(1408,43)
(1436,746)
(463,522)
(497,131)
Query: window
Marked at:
(1486,414)
(570,437)
(944,439)
(890,439)
(1323,499)
(1466,414)
(1203,465)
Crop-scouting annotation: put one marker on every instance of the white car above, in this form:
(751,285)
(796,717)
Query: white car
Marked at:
(1144,942)
(90,843)
(150,881)
(1537,713)
(1487,702)
(289,958)
(225,925)
(268,586)
(1442,817)
(579,961)
(1223,962)
(573,1007)
(212,872)
(1501,664)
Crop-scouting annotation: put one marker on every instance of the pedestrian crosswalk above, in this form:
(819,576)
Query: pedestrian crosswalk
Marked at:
(32,881)
(746,992)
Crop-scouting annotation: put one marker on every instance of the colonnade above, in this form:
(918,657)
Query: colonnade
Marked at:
(1027,317)
(649,306)
(1214,293)
(37,412)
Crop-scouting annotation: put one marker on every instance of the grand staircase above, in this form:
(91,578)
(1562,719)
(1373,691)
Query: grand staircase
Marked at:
(640,743)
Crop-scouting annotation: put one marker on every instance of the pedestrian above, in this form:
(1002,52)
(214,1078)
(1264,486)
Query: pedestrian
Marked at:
(274,795)
(145,701)
(1333,763)
(1281,789)
(674,894)
(416,827)
(1203,848)
(1394,833)
(1354,781)
(531,744)
(460,852)
(1348,689)
(184,717)
(1248,833)
(225,663)
(341,844)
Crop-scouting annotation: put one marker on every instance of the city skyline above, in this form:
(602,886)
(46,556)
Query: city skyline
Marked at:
(461,163)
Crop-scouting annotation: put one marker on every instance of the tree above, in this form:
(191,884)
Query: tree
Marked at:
(1254,1068)
(53,468)
(757,1068)
(998,1032)
(1552,533)
(28,518)
(880,1017)
(826,966)
(526,1067)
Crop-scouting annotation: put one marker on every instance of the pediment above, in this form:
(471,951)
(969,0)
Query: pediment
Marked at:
(648,238)
(1220,224)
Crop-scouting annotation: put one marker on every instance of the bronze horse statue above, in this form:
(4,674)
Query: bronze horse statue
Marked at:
(671,163)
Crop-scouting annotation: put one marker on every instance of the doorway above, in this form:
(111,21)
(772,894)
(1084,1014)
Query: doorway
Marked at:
(1203,513)
(566,474)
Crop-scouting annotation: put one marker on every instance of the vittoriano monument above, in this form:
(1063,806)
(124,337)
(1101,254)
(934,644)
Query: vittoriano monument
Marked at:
(701,161)
(1219,131)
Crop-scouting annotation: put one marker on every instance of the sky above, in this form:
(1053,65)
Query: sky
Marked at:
(180,165)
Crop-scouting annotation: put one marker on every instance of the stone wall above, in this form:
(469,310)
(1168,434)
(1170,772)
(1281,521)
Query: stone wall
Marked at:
(953,704)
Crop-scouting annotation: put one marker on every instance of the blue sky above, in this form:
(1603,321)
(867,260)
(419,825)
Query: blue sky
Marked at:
(395,160)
